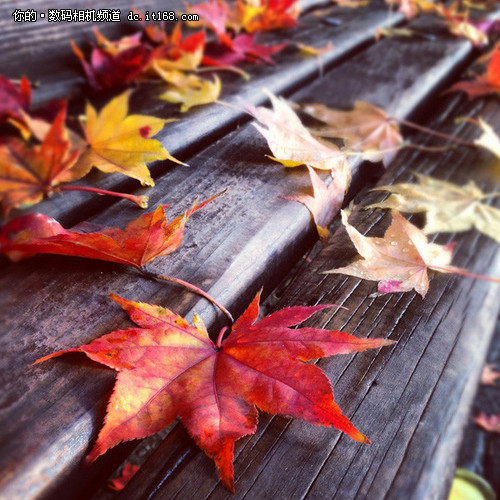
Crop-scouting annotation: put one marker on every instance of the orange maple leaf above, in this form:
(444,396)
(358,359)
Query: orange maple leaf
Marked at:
(168,368)
(27,173)
(143,240)
(177,53)
(269,15)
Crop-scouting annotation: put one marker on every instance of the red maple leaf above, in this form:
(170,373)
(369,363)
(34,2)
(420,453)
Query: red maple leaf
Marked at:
(214,13)
(143,240)
(238,49)
(483,84)
(168,368)
(14,100)
(115,65)
(126,474)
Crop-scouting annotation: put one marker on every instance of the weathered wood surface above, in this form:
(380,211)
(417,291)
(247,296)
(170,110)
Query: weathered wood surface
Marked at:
(46,44)
(203,125)
(480,449)
(412,400)
(50,414)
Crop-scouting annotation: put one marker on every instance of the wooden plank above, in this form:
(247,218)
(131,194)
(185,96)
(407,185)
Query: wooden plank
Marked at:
(50,412)
(204,125)
(40,41)
(480,449)
(412,400)
(41,50)
(167,464)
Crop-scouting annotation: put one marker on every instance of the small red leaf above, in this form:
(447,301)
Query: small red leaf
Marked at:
(126,474)
(483,84)
(143,240)
(14,100)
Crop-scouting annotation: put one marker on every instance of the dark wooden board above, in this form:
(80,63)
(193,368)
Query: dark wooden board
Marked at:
(244,240)
(201,126)
(41,51)
(38,42)
(480,449)
(412,400)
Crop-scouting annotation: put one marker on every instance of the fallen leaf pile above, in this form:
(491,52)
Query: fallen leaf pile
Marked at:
(50,154)
(176,60)
(168,368)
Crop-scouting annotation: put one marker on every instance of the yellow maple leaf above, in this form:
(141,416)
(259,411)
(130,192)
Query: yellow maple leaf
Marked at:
(488,139)
(118,142)
(188,89)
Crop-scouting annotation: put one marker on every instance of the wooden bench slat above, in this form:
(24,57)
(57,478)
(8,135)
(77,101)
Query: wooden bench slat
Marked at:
(47,43)
(204,125)
(412,401)
(50,412)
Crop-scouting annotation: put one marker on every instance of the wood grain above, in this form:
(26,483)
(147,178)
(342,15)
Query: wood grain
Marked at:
(204,125)
(411,400)
(250,237)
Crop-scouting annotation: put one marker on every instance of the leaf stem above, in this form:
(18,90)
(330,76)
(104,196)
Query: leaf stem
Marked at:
(429,149)
(430,131)
(191,287)
(218,344)
(464,272)
(489,195)
(140,200)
